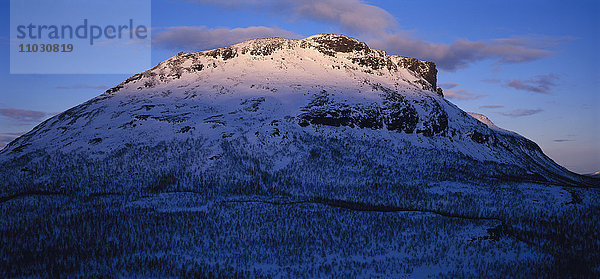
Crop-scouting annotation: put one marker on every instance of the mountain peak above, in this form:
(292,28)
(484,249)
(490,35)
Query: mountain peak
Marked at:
(338,51)
(328,44)
(338,43)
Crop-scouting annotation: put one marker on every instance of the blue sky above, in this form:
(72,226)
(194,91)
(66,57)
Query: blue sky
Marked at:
(530,66)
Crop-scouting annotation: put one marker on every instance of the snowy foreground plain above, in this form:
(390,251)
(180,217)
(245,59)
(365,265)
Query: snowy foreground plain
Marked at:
(285,158)
(444,230)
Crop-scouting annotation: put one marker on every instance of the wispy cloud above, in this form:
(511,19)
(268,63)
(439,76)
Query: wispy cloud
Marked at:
(462,94)
(458,94)
(82,86)
(194,38)
(490,106)
(562,140)
(538,84)
(521,112)
(22,115)
(536,41)
(462,52)
(448,85)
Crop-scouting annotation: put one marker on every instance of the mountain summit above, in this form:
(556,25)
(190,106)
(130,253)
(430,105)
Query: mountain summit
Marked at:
(274,115)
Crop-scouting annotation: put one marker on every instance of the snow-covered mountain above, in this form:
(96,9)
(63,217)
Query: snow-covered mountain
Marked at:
(280,115)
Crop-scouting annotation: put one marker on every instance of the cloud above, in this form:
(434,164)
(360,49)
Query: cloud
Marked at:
(535,41)
(458,94)
(196,38)
(80,86)
(352,16)
(22,115)
(521,112)
(562,140)
(448,85)
(462,94)
(381,30)
(538,84)
(462,52)
(490,106)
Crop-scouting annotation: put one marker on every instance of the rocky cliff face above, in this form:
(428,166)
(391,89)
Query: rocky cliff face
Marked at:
(325,109)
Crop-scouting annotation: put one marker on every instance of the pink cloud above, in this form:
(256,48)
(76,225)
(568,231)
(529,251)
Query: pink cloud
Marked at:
(538,84)
(462,94)
(22,115)
(448,85)
(521,112)
(196,38)
(491,106)
(381,30)
(462,52)
(353,16)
